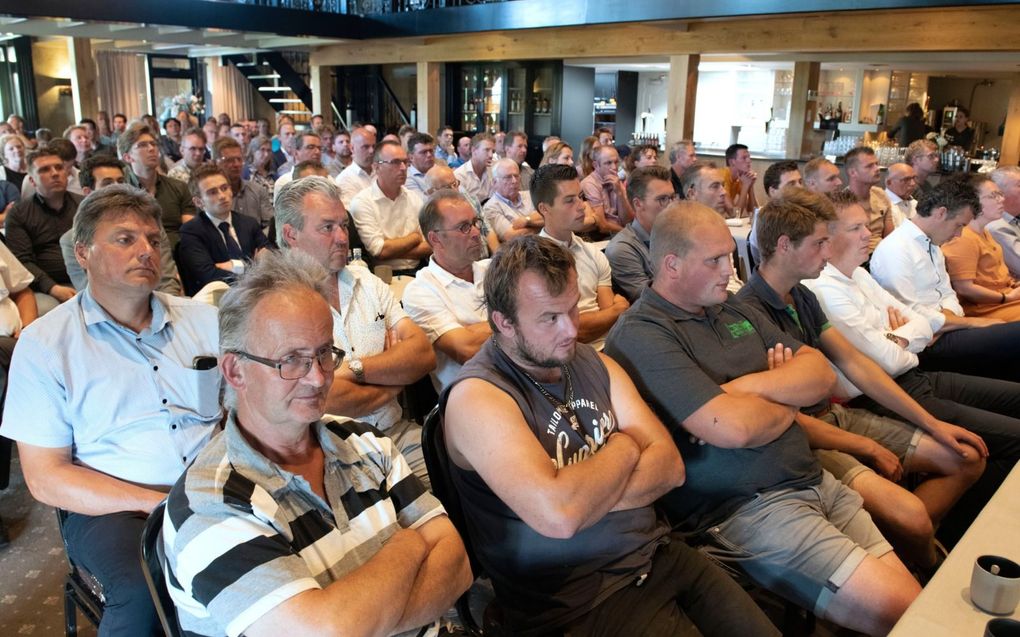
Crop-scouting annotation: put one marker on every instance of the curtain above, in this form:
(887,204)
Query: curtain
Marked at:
(122,85)
(229,91)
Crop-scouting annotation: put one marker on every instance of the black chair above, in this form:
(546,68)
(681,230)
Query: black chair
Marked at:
(433,445)
(153,558)
(82,591)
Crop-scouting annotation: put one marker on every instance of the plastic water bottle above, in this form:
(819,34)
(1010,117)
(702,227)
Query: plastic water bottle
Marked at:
(355,258)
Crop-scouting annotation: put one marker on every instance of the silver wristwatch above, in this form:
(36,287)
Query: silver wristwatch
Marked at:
(357,369)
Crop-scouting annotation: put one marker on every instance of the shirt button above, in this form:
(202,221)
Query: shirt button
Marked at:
(155,368)
(173,426)
(184,459)
(164,401)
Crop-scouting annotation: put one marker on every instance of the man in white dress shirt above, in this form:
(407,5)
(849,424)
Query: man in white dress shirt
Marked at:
(900,184)
(386,351)
(892,334)
(386,214)
(556,191)
(446,298)
(358,175)
(1006,231)
(909,264)
(474,175)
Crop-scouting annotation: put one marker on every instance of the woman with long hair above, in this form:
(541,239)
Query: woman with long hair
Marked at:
(558,153)
(258,164)
(14,167)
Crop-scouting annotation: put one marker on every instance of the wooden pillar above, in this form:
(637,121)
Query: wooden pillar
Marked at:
(1011,135)
(683,94)
(803,109)
(428,97)
(84,94)
(322,91)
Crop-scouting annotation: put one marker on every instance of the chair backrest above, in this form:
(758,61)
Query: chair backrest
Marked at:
(152,558)
(437,460)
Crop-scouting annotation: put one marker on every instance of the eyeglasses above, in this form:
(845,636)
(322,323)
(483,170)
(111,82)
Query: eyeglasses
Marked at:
(464,228)
(997,195)
(665,200)
(296,366)
(394,162)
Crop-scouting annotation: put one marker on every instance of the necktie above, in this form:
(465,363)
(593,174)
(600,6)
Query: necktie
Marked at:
(233,250)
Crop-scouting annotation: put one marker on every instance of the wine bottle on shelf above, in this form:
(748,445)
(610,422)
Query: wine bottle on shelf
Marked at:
(839,112)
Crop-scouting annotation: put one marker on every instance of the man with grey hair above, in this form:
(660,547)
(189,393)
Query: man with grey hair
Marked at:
(681,156)
(900,184)
(440,177)
(446,298)
(509,211)
(107,446)
(287,522)
(386,350)
(386,213)
(1006,231)
(358,175)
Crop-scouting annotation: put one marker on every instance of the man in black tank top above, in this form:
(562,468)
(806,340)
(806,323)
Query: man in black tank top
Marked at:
(557,460)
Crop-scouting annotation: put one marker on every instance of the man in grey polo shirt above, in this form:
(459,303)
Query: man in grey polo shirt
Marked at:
(650,191)
(289,524)
(755,494)
(509,211)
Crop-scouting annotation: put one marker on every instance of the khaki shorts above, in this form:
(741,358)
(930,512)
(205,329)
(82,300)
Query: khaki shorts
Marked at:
(898,437)
(802,544)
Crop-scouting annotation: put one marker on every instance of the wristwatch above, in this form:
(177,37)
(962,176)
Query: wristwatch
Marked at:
(357,369)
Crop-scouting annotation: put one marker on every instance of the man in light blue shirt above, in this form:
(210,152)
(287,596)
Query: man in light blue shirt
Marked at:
(112,396)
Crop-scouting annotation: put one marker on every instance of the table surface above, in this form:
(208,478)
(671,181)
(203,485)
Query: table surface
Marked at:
(944,608)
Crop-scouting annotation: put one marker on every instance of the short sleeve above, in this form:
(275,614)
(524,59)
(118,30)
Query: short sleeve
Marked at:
(604,271)
(36,411)
(658,364)
(427,310)
(962,255)
(592,191)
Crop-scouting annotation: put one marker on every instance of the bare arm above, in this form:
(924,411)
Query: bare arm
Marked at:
(408,246)
(971,292)
(956,322)
(368,601)
(486,432)
(803,381)
(442,577)
(871,379)
(594,324)
(55,480)
(463,343)
(659,468)
(407,358)
(822,435)
(735,421)
(351,399)
(27,309)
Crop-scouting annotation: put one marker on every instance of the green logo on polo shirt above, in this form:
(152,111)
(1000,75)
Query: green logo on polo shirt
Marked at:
(740,329)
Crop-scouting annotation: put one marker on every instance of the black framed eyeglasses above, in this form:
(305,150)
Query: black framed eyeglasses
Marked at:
(296,366)
(665,200)
(464,228)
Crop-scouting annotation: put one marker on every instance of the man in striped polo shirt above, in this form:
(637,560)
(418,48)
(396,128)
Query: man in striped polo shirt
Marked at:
(289,524)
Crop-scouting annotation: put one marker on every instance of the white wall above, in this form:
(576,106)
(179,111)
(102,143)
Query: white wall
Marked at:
(652,95)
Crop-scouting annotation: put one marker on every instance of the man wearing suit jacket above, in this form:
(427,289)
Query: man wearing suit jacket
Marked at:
(215,244)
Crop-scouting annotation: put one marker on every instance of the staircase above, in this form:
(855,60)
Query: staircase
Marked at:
(281,78)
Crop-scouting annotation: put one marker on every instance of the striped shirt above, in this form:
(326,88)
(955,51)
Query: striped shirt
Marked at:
(243,535)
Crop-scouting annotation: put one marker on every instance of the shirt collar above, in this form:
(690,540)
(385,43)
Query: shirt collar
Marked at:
(93,312)
(765,292)
(650,297)
(912,230)
(267,474)
(893,197)
(640,233)
(216,222)
(499,197)
(833,272)
(569,244)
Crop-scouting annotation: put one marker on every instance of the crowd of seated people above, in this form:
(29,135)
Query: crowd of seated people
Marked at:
(627,422)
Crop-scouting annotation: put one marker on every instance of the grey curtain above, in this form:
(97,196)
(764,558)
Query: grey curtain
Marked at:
(122,84)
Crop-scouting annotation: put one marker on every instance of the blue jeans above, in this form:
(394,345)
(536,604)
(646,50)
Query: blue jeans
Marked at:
(108,547)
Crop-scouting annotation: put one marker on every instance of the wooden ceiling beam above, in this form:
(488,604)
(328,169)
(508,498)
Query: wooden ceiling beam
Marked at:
(982,28)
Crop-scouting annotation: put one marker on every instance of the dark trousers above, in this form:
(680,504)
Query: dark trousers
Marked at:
(108,547)
(991,351)
(989,407)
(685,594)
